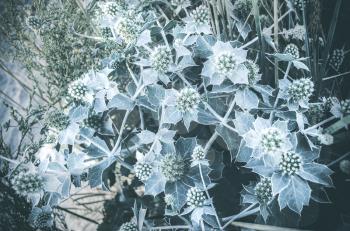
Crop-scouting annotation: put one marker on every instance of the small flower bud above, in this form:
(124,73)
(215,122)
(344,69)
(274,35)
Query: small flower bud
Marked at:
(198,153)
(344,166)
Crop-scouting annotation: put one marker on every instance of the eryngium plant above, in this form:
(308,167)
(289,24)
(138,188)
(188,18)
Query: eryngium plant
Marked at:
(167,99)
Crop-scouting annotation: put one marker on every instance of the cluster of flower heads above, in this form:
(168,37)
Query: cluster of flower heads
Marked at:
(174,166)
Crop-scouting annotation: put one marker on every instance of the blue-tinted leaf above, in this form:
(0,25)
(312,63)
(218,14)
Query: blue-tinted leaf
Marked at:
(155,184)
(244,152)
(97,148)
(78,114)
(231,138)
(122,102)
(178,190)
(185,146)
(295,195)
(95,173)
(146,137)
(171,115)
(67,136)
(317,173)
(243,122)
(279,182)
(246,99)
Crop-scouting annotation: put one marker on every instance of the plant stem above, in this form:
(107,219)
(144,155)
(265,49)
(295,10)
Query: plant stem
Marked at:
(246,212)
(275,19)
(262,227)
(207,193)
(9,160)
(320,123)
(338,159)
(171,227)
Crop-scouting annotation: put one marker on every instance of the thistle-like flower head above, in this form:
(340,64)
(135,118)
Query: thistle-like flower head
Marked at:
(198,153)
(161,58)
(187,100)
(143,170)
(128,29)
(225,63)
(93,121)
(41,218)
(290,163)
(200,15)
(345,106)
(106,32)
(128,226)
(34,22)
(301,89)
(293,50)
(77,90)
(271,139)
(173,167)
(263,190)
(253,71)
(326,139)
(25,183)
(57,119)
(337,59)
(242,8)
(195,197)
(299,4)
(113,8)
